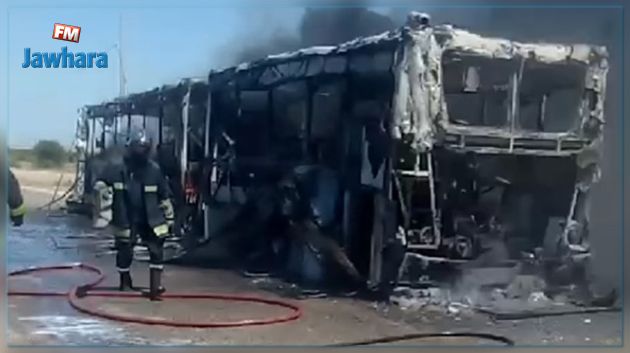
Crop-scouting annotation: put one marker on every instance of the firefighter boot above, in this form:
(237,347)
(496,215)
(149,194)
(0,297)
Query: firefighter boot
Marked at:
(125,282)
(155,285)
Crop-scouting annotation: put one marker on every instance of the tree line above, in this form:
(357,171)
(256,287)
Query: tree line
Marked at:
(44,154)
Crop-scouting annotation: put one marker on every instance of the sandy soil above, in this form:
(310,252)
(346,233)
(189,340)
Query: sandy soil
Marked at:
(43,181)
(44,178)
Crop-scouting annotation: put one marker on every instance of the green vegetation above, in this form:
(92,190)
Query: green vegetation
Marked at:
(45,154)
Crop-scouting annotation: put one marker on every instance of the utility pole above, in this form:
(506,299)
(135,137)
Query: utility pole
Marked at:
(122,80)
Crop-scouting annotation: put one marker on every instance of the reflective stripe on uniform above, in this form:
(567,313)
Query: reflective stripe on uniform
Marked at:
(156,266)
(150,188)
(122,270)
(161,230)
(122,233)
(18,211)
(119,186)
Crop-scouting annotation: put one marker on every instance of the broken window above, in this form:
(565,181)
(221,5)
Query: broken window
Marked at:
(241,124)
(171,121)
(327,101)
(152,126)
(290,104)
(375,139)
(289,109)
(326,122)
(550,96)
(196,129)
(253,113)
(476,89)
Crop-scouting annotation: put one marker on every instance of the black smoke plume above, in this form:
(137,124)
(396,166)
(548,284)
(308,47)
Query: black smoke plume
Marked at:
(322,26)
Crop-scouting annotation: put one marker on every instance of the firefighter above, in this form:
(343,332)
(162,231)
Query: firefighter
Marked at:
(140,208)
(16,202)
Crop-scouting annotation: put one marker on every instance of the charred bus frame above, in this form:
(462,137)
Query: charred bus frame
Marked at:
(441,140)
(451,139)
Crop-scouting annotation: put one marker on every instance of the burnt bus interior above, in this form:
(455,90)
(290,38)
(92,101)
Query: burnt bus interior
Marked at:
(478,93)
(502,173)
(160,112)
(315,110)
(507,164)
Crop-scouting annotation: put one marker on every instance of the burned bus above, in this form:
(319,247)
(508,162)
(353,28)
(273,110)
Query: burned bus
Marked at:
(435,140)
(425,144)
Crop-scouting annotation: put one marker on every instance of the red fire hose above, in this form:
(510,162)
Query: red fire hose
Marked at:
(90,289)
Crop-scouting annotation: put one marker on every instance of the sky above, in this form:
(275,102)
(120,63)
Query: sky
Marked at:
(159,46)
(162,41)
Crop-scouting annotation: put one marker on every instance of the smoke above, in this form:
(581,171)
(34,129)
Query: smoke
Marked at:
(279,43)
(321,26)
(332,26)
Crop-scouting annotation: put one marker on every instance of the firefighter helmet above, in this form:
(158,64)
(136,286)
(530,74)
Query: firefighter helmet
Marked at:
(138,146)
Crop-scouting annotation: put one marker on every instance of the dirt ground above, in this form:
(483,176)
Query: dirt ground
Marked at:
(39,182)
(50,238)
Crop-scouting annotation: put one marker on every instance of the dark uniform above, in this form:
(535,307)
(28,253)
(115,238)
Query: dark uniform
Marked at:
(141,208)
(16,202)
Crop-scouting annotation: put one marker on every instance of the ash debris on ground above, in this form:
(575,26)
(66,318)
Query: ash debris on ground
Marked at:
(523,295)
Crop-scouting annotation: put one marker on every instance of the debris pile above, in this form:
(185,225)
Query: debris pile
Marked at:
(525,292)
(432,299)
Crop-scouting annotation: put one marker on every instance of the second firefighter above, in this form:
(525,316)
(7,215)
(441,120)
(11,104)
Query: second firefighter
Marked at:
(16,201)
(141,208)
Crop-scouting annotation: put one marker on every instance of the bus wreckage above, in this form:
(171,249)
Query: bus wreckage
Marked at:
(381,156)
